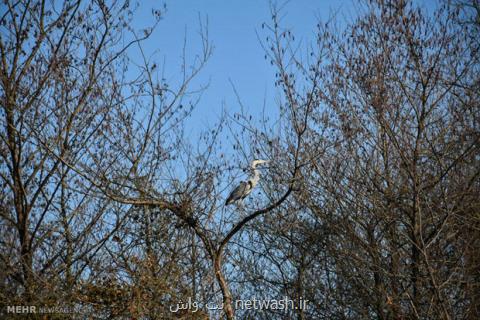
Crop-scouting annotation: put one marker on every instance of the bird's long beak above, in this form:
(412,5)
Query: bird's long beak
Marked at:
(259,162)
(264,162)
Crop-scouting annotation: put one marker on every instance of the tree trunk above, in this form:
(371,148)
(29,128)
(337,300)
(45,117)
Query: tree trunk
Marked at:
(227,296)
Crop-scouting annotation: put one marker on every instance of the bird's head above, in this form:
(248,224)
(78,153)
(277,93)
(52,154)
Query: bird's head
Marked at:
(255,163)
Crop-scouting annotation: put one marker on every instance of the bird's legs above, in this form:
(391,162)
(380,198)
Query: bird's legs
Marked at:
(240,206)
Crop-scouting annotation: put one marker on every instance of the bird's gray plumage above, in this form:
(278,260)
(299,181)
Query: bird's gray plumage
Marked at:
(240,192)
(245,187)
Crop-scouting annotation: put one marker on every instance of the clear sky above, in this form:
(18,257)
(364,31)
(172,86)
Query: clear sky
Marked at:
(238,56)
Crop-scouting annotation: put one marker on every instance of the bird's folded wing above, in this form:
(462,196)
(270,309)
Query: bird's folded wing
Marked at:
(241,191)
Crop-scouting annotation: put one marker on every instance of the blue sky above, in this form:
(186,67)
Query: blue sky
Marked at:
(237,57)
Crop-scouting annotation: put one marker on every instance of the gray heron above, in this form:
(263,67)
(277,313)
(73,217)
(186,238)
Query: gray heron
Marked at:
(246,187)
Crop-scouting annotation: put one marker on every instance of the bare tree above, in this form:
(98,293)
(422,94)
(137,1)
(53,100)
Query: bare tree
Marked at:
(388,207)
(369,208)
(61,91)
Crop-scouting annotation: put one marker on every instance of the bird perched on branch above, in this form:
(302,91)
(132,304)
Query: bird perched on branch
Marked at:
(246,187)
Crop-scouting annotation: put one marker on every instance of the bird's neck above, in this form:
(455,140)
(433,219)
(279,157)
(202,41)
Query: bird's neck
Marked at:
(256,176)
